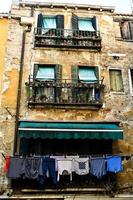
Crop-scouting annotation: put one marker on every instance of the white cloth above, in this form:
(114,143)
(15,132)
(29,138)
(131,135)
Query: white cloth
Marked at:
(81,166)
(65,166)
(56,159)
(72,157)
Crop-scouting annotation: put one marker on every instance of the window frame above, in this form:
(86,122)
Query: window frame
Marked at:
(116,92)
(130,80)
(130,31)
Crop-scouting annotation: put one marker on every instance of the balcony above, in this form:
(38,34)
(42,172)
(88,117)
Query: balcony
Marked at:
(66,38)
(64,93)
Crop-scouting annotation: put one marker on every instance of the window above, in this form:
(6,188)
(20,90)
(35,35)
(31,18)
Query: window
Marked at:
(45,76)
(116,83)
(84,24)
(87,74)
(45,73)
(46,23)
(131,80)
(49,22)
(127,30)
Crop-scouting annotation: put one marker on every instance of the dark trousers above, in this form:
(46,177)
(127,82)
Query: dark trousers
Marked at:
(48,165)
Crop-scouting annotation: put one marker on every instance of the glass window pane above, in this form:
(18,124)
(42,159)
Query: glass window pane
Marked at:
(49,22)
(87,74)
(85,25)
(45,73)
(116,83)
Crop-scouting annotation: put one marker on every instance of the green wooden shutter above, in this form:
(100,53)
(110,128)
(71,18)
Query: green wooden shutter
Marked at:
(112,80)
(35,71)
(119,82)
(94,22)
(97,73)
(125,31)
(60,21)
(40,21)
(131,29)
(58,73)
(74,73)
(74,21)
(39,24)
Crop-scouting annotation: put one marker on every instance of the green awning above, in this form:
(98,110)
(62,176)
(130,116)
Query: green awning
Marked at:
(70,130)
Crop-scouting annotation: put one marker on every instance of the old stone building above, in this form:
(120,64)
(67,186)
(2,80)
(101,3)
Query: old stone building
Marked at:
(68,87)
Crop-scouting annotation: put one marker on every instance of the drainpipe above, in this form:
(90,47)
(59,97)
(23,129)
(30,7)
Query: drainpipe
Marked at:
(15,150)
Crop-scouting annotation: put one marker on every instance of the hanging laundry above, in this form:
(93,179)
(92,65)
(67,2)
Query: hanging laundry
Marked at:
(7,163)
(48,166)
(15,167)
(65,167)
(56,159)
(81,166)
(114,164)
(72,156)
(32,167)
(98,167)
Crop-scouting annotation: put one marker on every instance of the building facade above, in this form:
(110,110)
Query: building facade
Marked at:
(68,84)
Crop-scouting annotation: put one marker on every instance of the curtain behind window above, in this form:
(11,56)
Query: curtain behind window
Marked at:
(49,23)
(87,74)
(85,25)
(45,73)
(116,83)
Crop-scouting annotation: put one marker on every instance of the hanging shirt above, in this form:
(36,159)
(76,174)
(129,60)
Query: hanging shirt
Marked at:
(32,167)
(56,160)
(98,167)
(15,167)
(114,164)
(81,166)
(65,167)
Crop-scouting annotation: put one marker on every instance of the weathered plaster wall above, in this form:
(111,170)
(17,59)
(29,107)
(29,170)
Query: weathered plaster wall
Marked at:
(10,83)
(3,40)
(116,106)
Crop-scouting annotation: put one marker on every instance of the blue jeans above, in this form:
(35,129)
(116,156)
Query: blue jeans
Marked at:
(48,164)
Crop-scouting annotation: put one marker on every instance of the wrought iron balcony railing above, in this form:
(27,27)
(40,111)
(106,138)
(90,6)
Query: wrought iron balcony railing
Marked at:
(67,38)
(64,93)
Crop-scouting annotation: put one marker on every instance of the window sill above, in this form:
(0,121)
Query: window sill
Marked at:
(124,40)
(117,93)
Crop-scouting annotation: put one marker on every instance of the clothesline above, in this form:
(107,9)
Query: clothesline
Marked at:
(66,155)
(41,167)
